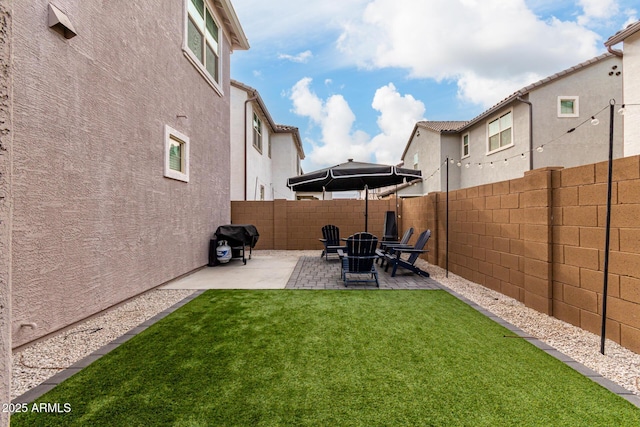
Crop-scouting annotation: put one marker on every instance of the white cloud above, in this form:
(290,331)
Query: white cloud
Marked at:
(597,10)
(302,57)
(340,141)
(398,115)
(496,43)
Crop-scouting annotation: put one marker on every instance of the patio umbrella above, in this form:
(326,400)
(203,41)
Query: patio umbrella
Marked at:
(353,176)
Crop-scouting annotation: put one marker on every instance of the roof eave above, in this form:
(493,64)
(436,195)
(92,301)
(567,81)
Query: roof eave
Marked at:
(238,38)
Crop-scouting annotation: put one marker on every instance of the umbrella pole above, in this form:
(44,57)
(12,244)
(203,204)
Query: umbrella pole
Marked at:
(366,208)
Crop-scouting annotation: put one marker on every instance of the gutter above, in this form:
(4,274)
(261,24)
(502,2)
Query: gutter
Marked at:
(616,52)
(253,98)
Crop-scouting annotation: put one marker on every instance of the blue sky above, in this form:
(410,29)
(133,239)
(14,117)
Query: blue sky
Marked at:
(356,75)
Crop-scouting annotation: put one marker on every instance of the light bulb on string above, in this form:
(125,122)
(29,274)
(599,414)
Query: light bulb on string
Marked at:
(506,162)
(492,165)
(467,166)
(523,156)
(479,165)
(594,121)
(540,149)
(459,163)
(622,110)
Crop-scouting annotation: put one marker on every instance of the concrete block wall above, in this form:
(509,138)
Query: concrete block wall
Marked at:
(578,231)
(297,225)
(539,239)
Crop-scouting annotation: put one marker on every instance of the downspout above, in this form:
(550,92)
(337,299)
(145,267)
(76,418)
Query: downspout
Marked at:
(519,98)
(253,98)
(616,52)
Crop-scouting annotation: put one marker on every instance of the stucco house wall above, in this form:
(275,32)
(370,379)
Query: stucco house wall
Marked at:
(632,95)
(268,167)
(286,163)
(594,87)
(95,219)
(6,136)
(629,38)
(594,83)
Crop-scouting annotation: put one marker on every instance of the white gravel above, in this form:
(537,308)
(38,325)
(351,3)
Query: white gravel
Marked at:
(40,361)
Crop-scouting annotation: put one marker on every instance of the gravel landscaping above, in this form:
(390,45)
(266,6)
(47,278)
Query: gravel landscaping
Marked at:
(40,361)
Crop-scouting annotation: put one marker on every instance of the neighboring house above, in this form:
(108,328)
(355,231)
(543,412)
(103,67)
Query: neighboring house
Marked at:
(263,153)
(500,143)
(630,37)
(120,150)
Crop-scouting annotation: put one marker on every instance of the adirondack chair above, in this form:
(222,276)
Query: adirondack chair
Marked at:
(386,245)
(358,258)
(331,241)
(394,256)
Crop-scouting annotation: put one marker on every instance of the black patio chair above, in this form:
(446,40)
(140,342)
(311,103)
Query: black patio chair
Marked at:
(394,256)
(385,245)
(331,241)
(358,258)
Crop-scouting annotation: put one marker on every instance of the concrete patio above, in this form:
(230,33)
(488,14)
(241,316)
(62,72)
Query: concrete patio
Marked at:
(293,270)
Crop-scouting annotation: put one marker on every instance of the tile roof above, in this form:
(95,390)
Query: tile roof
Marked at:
(623,34)
(525,90)
(442,126)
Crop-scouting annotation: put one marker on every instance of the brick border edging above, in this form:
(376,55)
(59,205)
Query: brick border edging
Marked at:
(36,392)
(31,395)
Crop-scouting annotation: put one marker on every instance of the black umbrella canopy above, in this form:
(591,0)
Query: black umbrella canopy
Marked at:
(352,176)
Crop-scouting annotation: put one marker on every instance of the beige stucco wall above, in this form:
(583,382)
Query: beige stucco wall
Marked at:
(95,220)
(6,135)
(632,95)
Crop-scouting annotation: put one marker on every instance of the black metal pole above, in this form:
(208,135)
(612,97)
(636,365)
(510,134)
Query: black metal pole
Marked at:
(447,248)
(366,208)
(605,285)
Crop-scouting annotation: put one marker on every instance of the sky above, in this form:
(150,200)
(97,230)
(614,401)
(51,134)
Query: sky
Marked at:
(356,75)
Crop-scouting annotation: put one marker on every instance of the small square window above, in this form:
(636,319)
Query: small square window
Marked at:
(176,155)
(568,106)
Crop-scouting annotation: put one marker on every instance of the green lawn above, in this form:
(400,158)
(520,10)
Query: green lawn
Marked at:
(330,358)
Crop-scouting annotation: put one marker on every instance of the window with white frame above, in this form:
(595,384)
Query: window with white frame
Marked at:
(415,161)
(465,146)
(568,106)
(257,132)
(500,132)
(176,155)
(202,38)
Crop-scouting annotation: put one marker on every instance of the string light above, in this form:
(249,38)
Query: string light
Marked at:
(591,119)
(622,110)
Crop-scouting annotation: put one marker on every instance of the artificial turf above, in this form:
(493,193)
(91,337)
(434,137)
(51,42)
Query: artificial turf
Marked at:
(329,358)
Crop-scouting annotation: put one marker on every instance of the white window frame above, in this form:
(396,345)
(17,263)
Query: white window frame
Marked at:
(256,125)
(169,135)
(186,50)
(501,147)
(576,106)
(462,145)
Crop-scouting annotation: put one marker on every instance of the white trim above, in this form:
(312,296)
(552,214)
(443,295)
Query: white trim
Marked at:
(488,136)
(170,133)
(190,55)
(462,155)
(576,106)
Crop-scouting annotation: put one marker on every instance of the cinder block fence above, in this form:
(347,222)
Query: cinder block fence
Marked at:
(539,239)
